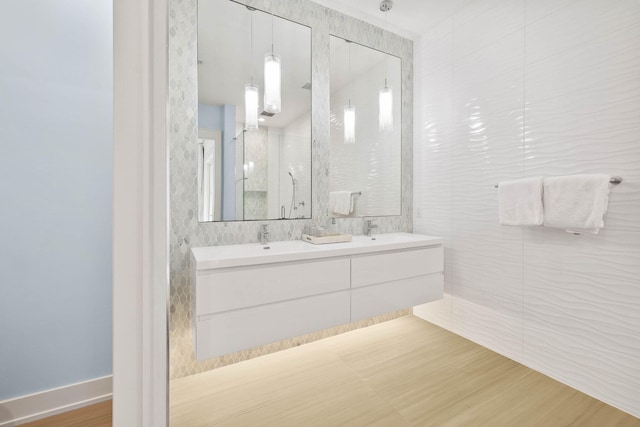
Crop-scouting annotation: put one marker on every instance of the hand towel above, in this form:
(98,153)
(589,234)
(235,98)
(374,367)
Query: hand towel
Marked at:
(576,203)
(340,202)
(520,202)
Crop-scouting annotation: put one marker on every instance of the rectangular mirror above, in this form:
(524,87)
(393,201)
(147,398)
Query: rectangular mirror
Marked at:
(253,163)
(365,154)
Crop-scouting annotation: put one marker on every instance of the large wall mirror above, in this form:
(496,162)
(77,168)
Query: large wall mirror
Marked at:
(365,153)
(253,163)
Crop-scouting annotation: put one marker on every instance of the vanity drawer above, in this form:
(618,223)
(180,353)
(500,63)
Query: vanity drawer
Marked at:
(233,288)
(375,300)
(386,267)
(236,330)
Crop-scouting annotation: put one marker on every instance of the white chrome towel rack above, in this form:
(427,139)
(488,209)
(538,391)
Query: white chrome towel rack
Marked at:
(615,180)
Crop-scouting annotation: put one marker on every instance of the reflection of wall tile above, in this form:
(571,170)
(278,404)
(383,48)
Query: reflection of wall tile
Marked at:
(186,232)
(255,205)
(255,159)
(296,158)
(536,88)
(371,166)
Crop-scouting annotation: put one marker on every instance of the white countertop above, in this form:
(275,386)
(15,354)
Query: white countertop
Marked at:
(296,250)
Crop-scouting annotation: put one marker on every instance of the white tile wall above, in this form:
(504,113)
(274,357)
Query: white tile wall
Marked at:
(509,89)
(372,165)
(295,156)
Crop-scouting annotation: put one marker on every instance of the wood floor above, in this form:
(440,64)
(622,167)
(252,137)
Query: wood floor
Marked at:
(405,372)
(98,415)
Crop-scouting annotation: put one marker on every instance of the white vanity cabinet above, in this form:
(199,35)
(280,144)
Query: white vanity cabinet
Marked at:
(244,296)
(391,281)
(242,307)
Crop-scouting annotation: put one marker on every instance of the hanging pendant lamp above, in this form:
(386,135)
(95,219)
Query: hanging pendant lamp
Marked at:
(349,111)
(251,106)
(349,124)
(272,79)
(251,91)
(385,109)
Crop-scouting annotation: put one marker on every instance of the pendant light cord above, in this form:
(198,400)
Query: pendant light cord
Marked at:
(350,82)
(251,48)
(386,55)
(272,32)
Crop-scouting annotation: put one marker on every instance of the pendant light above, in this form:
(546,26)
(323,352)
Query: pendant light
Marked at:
(385,95)
(251,106)
(251,91)
(349,124)
(349,111)
(272,79)
(385,108)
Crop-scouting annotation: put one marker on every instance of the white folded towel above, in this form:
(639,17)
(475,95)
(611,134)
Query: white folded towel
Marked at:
(576,203)
(341,202)
(520,202)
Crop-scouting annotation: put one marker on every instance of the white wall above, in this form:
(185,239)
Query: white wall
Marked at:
(508,89)
(56,143)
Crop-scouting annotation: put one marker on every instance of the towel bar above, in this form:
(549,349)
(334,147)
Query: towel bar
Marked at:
(615,180)
(356,193)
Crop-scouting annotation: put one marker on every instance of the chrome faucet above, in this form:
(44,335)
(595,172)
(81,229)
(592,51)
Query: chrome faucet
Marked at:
(264,234)
(369,226)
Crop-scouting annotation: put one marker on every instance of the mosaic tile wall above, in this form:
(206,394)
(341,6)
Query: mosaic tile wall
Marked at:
(255,204)
(185,230)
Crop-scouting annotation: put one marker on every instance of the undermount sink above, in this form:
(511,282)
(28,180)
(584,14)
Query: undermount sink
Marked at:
(294,250)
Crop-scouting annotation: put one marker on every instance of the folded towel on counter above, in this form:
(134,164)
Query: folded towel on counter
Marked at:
(520,202)
(576,203)
(341,202)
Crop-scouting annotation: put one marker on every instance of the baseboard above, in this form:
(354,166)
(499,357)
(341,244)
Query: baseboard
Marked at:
(32,407)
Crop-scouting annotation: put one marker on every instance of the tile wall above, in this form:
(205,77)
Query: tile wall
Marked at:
(186,232)
(371,166)
(295,156)
(512,88)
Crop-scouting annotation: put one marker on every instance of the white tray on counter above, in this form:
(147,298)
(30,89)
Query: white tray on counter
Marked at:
(329,238)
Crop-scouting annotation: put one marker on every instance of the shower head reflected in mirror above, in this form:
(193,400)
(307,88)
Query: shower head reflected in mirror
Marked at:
(293,180)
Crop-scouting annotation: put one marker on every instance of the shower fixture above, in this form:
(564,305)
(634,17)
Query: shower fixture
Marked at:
(293,206)
(293,180)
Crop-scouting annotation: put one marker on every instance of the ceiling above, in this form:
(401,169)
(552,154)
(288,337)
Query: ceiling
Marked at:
(408,18)
(350,60)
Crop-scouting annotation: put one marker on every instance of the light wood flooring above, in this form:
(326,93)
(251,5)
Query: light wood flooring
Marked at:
(405,372)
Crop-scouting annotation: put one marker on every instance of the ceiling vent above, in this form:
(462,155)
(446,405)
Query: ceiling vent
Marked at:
(267,114)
